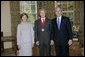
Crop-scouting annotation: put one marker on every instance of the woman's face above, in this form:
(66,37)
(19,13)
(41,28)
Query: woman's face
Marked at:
(24,18)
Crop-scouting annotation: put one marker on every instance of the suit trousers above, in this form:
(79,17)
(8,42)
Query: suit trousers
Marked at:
(62,50)
(44,49)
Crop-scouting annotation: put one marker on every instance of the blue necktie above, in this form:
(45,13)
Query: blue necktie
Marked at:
(58,23)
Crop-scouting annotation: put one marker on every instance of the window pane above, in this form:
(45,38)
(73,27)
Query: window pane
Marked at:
(29,8)
(32,2)
(33,8)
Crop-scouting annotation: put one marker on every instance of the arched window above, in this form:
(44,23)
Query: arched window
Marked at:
(29,7)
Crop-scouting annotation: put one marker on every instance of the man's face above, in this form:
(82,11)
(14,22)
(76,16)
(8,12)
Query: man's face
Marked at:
(42,13)
(58,11)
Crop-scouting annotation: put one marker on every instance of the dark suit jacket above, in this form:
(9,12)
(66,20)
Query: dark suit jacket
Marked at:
(42,37)
(61,36)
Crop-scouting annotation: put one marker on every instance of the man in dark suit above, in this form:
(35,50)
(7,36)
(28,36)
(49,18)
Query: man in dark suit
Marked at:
(62,33)
(42,30)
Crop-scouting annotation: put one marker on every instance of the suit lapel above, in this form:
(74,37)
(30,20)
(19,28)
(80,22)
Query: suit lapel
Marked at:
(55,23)
(46,21)
(39,23)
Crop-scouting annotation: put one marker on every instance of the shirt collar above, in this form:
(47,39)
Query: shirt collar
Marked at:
(59,17)
(43,18)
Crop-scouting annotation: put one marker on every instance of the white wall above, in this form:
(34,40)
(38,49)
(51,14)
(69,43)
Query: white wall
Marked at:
(6,21)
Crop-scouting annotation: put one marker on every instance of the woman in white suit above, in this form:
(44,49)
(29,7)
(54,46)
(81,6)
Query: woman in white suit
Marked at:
(25,36)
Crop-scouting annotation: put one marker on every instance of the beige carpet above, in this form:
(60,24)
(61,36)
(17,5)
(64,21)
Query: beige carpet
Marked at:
(10,52)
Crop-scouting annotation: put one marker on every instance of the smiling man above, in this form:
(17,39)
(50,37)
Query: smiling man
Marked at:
(62,33)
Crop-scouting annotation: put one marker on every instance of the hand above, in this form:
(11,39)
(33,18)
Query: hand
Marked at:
(52,42)
(18,47)
(70,42)
(33,45)
(37,43)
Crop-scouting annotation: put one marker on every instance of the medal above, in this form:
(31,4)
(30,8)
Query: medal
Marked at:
(43,29)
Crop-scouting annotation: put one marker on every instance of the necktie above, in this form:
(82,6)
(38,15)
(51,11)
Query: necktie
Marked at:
(42,22)
(58,23)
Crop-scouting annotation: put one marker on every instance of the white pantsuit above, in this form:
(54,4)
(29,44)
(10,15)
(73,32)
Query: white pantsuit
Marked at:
(25,39)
